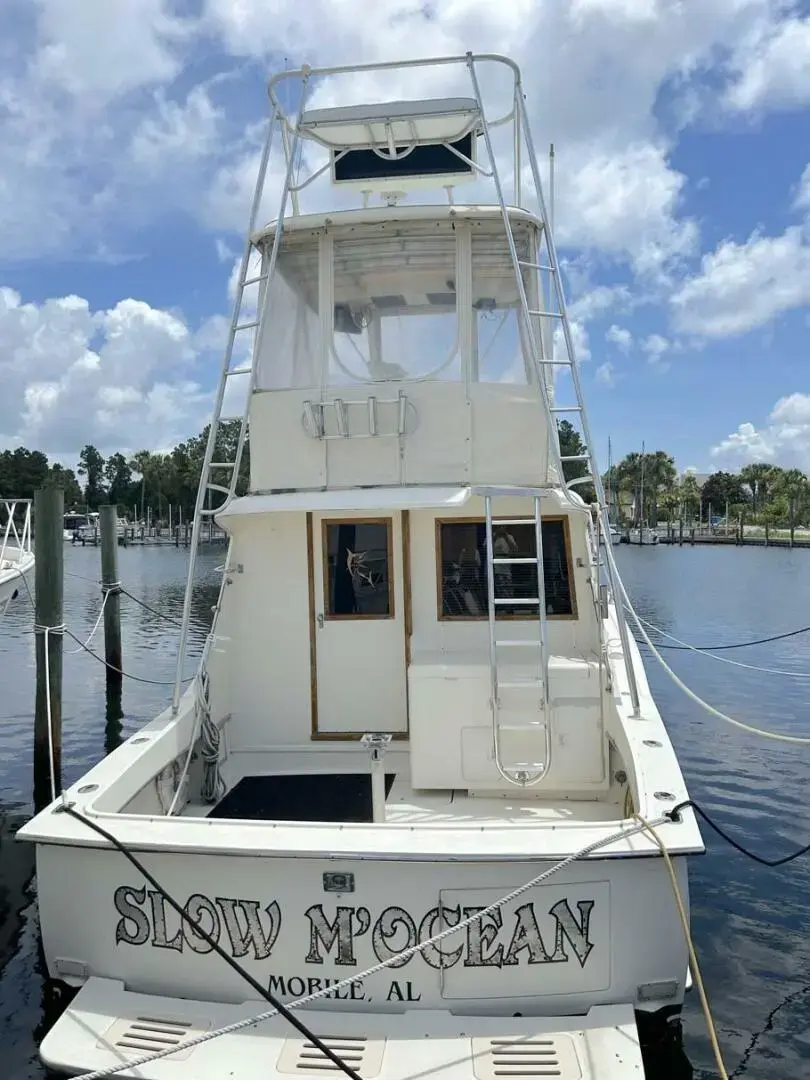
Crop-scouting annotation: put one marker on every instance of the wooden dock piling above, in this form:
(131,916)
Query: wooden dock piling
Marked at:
(49,508)
(111,588)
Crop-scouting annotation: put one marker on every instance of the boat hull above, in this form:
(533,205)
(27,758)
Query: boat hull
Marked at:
(560,947)
(15,573)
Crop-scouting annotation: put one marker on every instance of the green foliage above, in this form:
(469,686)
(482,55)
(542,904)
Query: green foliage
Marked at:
(91,466)
(720,490)
(647,475)
(571,445)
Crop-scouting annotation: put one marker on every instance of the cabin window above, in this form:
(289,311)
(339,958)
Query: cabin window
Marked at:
(461,546)
(395,310)
(292,342)
(358,560)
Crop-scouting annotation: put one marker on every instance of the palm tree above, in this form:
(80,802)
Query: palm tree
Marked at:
(690,496)
(794,485)
(142,463)
(760,478)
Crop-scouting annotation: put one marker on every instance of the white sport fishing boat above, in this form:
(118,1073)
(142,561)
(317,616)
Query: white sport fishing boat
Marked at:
(16,553)
(404,784)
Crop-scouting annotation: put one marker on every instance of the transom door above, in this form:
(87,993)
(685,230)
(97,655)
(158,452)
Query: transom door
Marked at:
(359,657)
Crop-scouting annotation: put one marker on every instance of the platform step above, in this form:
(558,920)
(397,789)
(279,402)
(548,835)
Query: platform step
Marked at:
(106,1025)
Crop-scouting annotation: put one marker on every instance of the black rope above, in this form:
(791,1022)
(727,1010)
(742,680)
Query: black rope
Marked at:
(739,645)
(254,983)
(148,607)
(674,814)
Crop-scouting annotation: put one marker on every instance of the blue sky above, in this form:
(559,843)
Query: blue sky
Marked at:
(130,137)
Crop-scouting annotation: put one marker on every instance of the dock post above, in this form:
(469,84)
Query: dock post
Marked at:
(111,590)
(680,533)
(49,509)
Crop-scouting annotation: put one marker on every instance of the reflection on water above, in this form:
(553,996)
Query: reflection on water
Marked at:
(748,921)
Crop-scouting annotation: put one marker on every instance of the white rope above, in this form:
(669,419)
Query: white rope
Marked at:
(724,659)
(96,625)
(46,631)
(398,958)
(776,736)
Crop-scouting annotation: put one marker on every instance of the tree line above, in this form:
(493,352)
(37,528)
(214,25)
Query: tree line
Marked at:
(143,485)
(759,494)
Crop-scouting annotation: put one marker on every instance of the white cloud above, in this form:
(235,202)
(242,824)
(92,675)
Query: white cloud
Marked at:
(625,204)
(742,286)
(783,440)
(121,378)
(598,300)
(655,346)
(620,336)
(103,49)
(606,374)
(802,201)
(772,67)
(176,131)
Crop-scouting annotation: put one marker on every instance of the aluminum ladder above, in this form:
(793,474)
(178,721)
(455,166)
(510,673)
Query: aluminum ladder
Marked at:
(526,697)
(538,326)
(212,481)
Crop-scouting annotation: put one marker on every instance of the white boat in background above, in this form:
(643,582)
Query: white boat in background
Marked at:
(16,553)
(642,535)
(416,703)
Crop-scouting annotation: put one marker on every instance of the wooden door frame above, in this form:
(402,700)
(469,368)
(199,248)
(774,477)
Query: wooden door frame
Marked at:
(407,615)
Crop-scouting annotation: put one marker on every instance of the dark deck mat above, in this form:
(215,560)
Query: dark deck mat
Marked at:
(340,797)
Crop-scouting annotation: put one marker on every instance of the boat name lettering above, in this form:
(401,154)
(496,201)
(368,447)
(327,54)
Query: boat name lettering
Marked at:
(251,928)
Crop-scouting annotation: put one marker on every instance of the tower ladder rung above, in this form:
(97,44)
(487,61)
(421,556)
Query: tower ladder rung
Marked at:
(575,457)
(244,370)
(545,314)
(537,266)
(246,326)
(254,280)
(566,408)
(222,465)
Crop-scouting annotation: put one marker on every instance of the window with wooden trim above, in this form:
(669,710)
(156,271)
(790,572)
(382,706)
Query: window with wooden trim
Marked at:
(358,568)
(462,569)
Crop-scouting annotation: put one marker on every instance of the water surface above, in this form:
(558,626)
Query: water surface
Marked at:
(749,922)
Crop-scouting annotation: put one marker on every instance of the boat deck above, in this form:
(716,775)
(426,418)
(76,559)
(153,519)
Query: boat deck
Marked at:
(344,796)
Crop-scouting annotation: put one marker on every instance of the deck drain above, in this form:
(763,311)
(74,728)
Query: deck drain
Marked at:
(147,1034)
(539,1056)
(298,1056)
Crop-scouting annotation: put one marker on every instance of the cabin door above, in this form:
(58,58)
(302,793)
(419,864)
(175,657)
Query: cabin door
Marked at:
(359,677)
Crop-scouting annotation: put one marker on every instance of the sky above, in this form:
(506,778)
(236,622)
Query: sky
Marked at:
(129,139)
